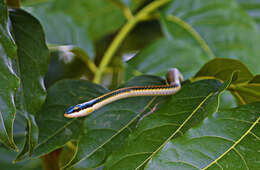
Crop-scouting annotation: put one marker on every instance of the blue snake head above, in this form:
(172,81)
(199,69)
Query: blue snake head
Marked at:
(73,109)
(80,110)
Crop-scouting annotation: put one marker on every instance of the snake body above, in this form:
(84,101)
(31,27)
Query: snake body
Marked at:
(174,78)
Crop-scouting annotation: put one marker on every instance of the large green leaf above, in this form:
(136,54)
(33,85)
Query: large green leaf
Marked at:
(180,112)
(31,66)
(90,14)
(165,53)
(6,158)
(107,129)
(61,28)
(221,68)
(245,88)
(227,29)
(56,130)
(81,22)
(33,58)
(227,139)
(199,30)
(8,81)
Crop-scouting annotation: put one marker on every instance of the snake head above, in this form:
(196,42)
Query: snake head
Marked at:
(73,109)
(79,110)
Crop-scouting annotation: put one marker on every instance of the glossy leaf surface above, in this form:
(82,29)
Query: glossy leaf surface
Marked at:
(54,129)
(82,22)
(221,68)
(8,81)
(226,139)
(60,130)
(60,27)
(201,30)
(173,117)
(165,53)
(245,88)
(106,130)
(31,66)
(228,30)
(5,38)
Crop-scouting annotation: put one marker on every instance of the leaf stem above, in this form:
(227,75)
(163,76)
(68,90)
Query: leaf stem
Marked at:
(122,34)
(85,58)
(127,12)
(177,131)
(193,32)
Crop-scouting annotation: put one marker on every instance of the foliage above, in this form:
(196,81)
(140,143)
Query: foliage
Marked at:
(58,53)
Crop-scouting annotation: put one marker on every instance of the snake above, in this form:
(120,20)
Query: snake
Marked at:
(172,86)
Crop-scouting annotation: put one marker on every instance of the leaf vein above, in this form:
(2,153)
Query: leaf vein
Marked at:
(184,162)
(257,137)
(242,157)
(233,146)
(180,127)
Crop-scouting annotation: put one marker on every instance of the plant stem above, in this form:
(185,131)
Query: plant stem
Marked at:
(13,3)
(127,12)
(193,33)
(122,34)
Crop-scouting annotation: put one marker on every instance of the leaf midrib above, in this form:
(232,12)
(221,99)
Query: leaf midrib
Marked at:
(178,130)
(233,146)
(109,139)
(58,131)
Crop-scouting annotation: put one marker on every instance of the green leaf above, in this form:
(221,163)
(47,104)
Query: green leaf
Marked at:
(6,158)
(173,117)
(61,28)
(256,79)
(227,100)
(6,40)
(227,29)
(8,81)
(82,22)
(165,53)
(54,129)
(224,140)
(31,65)
(196,31)
(107,128)
(33,58)
(245,88)
(221,68)
(247,92)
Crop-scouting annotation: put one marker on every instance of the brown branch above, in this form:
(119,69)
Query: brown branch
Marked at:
(50,161)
